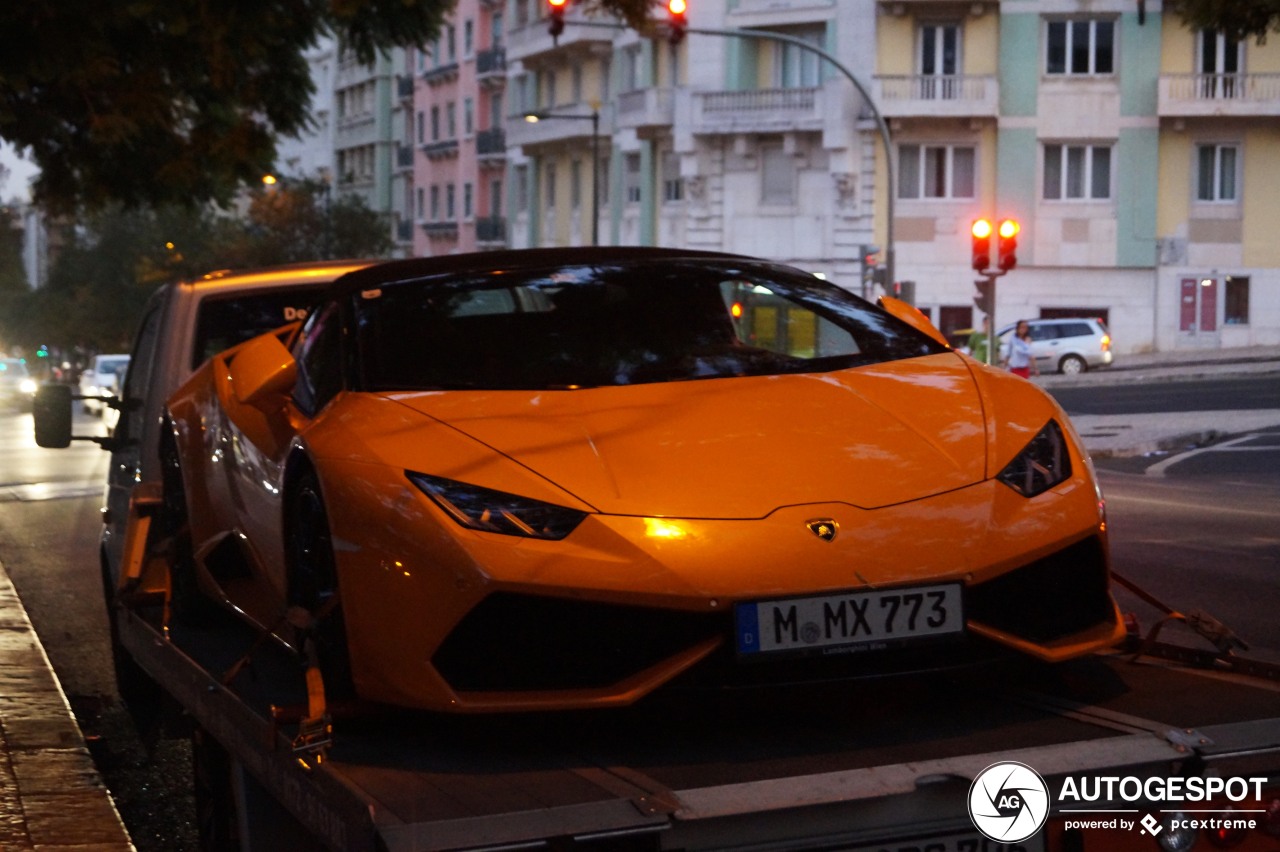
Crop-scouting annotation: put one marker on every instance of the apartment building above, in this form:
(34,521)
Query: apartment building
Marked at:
(459,149)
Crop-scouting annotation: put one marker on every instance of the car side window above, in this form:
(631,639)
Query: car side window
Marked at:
(1076,329)
(1043,332)
(319,356)
(138,376)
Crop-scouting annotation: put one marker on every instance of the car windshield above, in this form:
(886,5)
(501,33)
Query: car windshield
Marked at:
(617,324)
(12,368)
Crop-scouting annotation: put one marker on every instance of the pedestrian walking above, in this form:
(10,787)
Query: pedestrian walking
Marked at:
(1020,360)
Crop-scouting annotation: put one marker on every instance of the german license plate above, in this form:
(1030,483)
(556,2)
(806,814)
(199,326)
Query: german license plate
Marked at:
(848,621)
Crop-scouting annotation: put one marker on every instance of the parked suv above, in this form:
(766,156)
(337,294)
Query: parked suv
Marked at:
(1070,345)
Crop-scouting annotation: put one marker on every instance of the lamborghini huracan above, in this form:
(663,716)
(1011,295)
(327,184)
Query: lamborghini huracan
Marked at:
(563,478)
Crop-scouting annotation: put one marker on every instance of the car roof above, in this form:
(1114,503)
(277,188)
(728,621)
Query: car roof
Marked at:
(516,259)
(319,272)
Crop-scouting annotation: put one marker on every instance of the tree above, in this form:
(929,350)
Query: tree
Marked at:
(179,101)
(297,221)
(1237,19)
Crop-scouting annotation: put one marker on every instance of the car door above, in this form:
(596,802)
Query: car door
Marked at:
(1044,344)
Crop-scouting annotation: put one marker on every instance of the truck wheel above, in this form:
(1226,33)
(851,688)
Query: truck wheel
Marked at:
(189,603)
(1072,365)
(217,823)
(140,693)
(313,580)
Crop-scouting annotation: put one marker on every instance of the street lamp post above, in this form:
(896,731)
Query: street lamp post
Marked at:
(594,118)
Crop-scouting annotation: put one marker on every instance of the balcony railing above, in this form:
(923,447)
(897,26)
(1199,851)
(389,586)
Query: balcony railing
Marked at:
(936,95)
(1219,95)
(491,143)
(404,156)
(645,108)
(757,109)
(491,229)
(441,74)
(440,229)
(442,148)
(491,61)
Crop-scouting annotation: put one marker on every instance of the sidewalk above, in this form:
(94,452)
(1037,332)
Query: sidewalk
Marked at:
(50,794)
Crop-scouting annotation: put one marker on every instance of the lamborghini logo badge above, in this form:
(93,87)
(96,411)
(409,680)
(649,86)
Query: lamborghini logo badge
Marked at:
(823,528)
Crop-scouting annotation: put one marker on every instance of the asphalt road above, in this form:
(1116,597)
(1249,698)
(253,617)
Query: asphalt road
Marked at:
(1216,394)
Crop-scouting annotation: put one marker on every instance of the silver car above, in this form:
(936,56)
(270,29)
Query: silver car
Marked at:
(1072,345)
(102,378)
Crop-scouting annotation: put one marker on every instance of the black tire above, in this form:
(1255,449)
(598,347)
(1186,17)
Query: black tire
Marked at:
(142,696)
(313,580)
(189,603)
(217,821)
(1072,365)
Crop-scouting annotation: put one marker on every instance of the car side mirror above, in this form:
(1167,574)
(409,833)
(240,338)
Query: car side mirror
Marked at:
(52,414)
(261,370)
(913,317)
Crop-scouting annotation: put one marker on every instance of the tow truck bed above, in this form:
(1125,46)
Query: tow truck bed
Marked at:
(810,767)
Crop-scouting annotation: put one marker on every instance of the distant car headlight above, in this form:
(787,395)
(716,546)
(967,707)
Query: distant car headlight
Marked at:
(28,386)
(1042,464)
(497,511)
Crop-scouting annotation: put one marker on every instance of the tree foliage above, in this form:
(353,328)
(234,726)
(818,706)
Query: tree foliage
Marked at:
(108,268)
(154,102)
(1238,19)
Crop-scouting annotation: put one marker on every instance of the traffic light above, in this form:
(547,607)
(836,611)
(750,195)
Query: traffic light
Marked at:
(1007,250)
(677,20)
(868,258)
(985,301)
(981,231)
(556,25)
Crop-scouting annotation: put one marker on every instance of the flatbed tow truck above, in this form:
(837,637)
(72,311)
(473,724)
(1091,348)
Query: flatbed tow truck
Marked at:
(868,765)
(881,765)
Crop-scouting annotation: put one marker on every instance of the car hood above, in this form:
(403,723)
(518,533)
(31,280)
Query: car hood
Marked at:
(738,447)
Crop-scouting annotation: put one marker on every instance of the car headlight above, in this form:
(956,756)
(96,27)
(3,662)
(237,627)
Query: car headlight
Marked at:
(497,511)
(1042,464)
(27,386)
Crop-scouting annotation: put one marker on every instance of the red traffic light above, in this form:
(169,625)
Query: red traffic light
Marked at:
(1007,244)
(677,20)
(556,25)
(981,231)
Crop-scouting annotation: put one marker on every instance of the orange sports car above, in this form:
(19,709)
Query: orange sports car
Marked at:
(564,478)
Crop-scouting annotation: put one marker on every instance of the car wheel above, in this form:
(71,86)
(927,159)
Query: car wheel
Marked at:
(189,603)
(1072,365)
(313,581)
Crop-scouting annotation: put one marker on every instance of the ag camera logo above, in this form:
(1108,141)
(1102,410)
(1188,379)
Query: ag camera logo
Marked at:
(1008,802)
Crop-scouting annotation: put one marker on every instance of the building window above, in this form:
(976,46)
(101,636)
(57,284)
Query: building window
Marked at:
(602,179)
(521,177)
(451,42)
(435,203)
(794,66)
(936,171)
(451,119)
(672,185)
(450,205)
(1077,171)
(468,202)
(468,38)
(435,124)
(939,58)
(1237,306)
(631,178)
(421,133)
(550,193)
(468,116)
(1080,47)
(549,89)
(631,78)
(575,184)
(777,175)
(1216,172)
(419,205)
(575,83)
